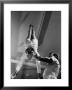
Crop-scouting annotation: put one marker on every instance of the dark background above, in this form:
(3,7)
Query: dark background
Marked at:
(1,36)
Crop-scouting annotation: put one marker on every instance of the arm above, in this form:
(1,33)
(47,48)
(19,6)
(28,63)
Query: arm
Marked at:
(44,59)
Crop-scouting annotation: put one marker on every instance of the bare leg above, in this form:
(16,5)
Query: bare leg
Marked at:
(21,62)
(19,66)
(38,64)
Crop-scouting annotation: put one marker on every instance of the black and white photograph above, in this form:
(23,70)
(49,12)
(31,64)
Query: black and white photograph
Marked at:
(35,45)
(36,38)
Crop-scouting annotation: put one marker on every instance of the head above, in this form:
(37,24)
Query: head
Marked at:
(29,51)
(53,55)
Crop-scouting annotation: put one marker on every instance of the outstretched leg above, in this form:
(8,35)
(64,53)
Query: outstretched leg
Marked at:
(17,73)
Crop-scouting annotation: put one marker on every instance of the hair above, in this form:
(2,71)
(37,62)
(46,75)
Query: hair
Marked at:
(29,50)
(56,56)
(53,54)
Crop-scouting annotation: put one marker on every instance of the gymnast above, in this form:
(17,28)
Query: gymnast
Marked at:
(31,50)
(31,46)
